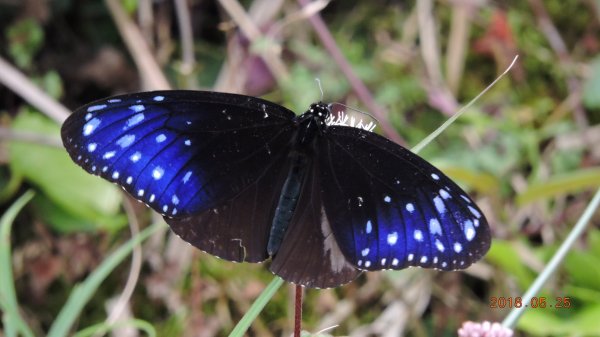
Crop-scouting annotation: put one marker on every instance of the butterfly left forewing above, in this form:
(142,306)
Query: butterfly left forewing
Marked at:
(390,209)
(185,153)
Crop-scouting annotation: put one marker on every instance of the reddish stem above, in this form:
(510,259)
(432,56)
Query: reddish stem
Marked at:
(298,311)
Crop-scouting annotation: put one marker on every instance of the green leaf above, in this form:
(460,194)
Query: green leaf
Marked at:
(545,322)
(66,222)
(63,182)
(25,38)
(503,254)
(591,87)
(584,268)
(594,242)
(560,185)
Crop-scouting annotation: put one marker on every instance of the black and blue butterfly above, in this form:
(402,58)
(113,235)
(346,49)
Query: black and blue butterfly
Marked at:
(246,180)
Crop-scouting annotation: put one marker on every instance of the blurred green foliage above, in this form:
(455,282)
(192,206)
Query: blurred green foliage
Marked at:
(84,201)
(25,38)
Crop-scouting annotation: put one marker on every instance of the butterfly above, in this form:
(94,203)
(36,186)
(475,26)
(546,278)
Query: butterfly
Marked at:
(246,180)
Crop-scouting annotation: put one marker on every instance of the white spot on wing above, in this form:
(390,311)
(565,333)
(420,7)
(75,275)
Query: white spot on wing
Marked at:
(158,98)
(457,247)
(137,108)
(186,177)
(157,173)
(125,141)
(90,126)
(469,230)
(161,138)
(418,235)
(175,200)
(444,194)
(92,147)
(109,155)
(135,157)
(134,120)
(387,199)
(395,262)
(410,207)
(96,107)
(434,227)
(369,227)
(474,212)
(392,238)
(439,205)
(435,176)
(365,252)
(439,245)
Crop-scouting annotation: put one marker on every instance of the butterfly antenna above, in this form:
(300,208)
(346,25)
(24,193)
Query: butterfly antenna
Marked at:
(450,120)
(318,80)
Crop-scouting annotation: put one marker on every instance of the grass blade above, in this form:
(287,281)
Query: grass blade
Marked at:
(82,293)
(12,321)
(256,307)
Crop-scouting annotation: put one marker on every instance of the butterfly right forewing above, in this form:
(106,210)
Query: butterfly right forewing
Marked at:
(390,209)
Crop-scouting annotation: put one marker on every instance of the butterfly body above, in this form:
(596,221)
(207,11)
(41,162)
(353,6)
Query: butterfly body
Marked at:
(246,179)
(307,127)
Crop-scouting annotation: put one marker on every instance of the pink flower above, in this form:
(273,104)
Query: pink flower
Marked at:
(484,329)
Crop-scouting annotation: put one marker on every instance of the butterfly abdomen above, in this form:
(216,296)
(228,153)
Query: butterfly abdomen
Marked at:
(287,202)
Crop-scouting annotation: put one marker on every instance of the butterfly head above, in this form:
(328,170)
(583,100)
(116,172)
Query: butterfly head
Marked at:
(319,112)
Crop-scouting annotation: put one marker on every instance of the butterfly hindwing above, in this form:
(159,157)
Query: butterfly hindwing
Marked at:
(390,209)
(237,229)
(309,254)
